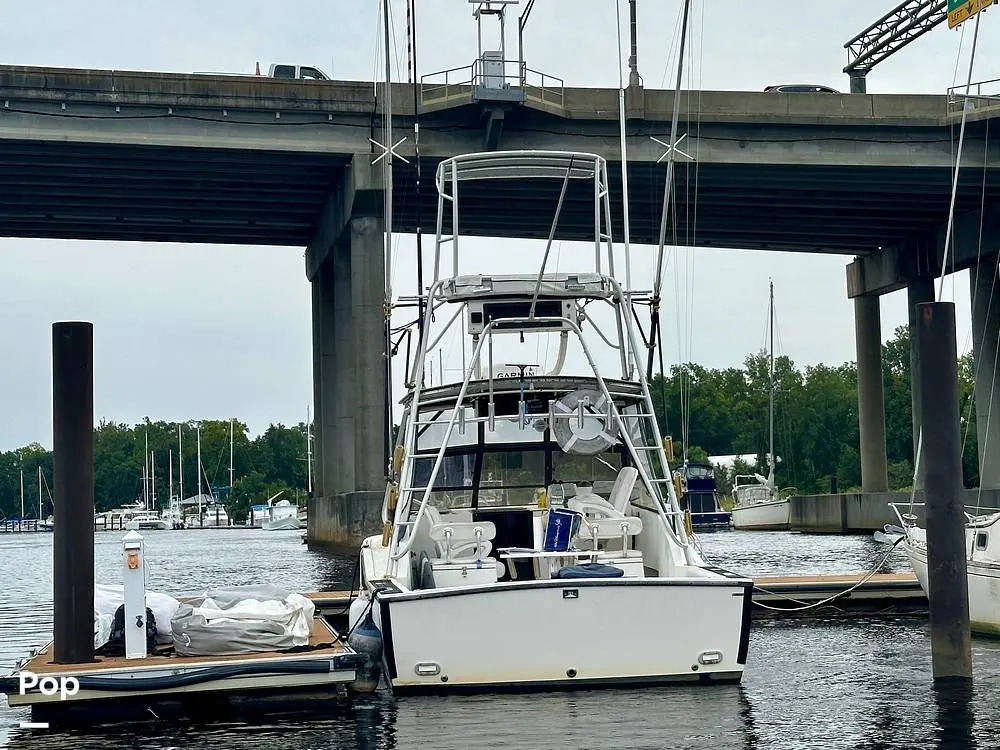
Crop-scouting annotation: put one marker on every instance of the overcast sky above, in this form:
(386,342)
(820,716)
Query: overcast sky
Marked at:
(204,331)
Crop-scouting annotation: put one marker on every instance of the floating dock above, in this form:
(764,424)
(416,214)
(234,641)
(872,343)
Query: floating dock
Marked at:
(786,595)
(189,686)
(777,595)
(113,684)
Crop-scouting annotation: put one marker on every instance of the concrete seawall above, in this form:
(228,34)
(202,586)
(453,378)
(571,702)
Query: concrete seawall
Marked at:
(864,512)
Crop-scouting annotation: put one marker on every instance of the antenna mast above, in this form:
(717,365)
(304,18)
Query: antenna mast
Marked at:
(654,306)
(624,150)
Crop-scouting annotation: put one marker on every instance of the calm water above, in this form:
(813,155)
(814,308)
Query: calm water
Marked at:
(860,683)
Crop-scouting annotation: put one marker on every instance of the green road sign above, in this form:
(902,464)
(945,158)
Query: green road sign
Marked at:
(963,10)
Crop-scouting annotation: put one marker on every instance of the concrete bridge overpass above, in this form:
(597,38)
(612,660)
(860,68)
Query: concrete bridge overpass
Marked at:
(240,159)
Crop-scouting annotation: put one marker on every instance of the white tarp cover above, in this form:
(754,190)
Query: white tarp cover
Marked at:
(107,599)
(242,619)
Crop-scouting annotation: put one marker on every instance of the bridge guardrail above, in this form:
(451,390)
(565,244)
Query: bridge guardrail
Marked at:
(460,84)
(982,94)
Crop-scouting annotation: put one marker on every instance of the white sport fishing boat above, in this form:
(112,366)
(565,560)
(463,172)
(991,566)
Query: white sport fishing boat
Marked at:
(533,537)
(982,561)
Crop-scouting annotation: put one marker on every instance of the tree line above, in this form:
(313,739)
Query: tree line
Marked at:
(816,437)
(816,417)
(262,466)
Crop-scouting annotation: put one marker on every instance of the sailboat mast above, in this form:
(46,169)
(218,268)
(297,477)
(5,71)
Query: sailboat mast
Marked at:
(180,465)
(22,494)
(309,475)
(145,473)
(39,493)
(152,481)
(170,472)
(654,307)
(231,455)
(199,470)
(770,458)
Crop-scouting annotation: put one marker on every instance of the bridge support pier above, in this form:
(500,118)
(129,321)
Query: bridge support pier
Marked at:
(918,291)
(985,340)
(871,404)
(346,263)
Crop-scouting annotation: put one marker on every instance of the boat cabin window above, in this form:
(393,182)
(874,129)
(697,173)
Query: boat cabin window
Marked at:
(567,467)
(431,434)
(981,539)
(487,476)
(700,502)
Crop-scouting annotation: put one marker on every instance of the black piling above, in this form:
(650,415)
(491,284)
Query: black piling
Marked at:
(941,468)
(73,480)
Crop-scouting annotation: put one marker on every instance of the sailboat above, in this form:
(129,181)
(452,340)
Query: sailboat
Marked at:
(211,511)
(49,523)
(757,504)
(529,513)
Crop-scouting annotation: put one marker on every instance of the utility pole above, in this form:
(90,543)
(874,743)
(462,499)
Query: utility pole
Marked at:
(633,58)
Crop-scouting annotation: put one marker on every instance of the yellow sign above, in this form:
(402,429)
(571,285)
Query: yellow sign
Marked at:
(963,10)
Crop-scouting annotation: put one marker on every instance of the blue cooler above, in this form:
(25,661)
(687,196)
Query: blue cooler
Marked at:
(561,528)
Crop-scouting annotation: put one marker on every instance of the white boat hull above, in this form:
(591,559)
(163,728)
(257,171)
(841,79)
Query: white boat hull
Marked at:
(984,590)
(146,525)
(282,524)
(552,633)
(772,516)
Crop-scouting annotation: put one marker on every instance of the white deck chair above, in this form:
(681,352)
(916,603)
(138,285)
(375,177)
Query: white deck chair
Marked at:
(614,506)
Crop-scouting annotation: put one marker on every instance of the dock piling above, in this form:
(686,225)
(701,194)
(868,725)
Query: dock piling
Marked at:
(941,471)
(73,480)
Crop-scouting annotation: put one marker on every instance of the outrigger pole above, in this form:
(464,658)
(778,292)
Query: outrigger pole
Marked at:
(387,188)
(412,16)
(654,303)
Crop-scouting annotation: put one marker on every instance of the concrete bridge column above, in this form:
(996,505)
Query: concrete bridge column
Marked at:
(871,406)
(345,263)
(985,335)
(918,291)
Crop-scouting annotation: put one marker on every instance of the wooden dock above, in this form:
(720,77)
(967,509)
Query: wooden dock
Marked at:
(881,592)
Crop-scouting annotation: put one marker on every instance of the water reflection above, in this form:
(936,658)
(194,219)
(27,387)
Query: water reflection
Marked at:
(955,716)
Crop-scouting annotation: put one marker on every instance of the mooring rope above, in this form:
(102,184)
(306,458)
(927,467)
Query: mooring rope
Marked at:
(830,599)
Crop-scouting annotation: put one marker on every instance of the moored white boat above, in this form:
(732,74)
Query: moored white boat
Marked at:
(281,517)
(146,520)
(759,510)
(982,544)
(533,536)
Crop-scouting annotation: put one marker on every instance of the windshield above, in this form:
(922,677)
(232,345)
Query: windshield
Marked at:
(485,476)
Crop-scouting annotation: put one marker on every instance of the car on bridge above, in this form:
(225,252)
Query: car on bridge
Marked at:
(297,72)
(800,88)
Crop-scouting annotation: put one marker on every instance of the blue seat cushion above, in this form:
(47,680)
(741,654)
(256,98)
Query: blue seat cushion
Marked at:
(589,570)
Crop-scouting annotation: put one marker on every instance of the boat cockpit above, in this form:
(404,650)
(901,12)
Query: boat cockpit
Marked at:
(522,502)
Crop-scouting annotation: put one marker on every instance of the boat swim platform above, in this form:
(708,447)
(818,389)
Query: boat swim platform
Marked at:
(324,665)
(880,592)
